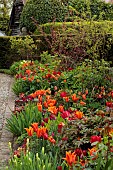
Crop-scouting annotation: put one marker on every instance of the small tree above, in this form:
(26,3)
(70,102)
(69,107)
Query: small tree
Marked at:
(5,8)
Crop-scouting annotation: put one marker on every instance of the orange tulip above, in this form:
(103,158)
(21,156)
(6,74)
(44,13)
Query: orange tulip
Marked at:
(61,108)
(48,91)
(43,130)
(29,131)
(82,103)
(51,139)
(75,98)
(78,138)
(40,98)
(40,92)
(28,72)
(111,132)
(53,110)
(66,99)
(39,105)
(51,102)
(24,65)
(45,104)
(53,76)
(83,162)
(31,78)
(47,97)
(79,114)
(71,158)
(35,126)
(39,133)
(24,78)
(92,152)
(33,95)
(84,96)
(86,92)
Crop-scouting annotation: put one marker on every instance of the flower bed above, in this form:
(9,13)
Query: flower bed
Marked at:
(62,118)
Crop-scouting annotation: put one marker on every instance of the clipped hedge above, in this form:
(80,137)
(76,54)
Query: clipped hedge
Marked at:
(93,40)
(7,56)
(97,26)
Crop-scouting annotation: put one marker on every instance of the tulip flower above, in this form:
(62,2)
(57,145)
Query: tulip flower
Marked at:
(29,131)
(65,114)
(35,126)
(95,139)
(70,158)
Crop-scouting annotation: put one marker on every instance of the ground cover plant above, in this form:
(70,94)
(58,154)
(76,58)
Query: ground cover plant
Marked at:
(62,117)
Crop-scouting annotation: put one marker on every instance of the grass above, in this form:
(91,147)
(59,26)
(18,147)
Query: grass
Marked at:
(6,71)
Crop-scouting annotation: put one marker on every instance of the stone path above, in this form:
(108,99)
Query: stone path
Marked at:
(7,98)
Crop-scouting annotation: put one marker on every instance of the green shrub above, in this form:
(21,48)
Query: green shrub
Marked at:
(80,39)
(42,11)
(4,21)
(24,46)
(93,9)
(9,56)
(5,55)
(98,26)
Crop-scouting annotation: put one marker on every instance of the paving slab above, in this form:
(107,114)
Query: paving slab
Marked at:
(7,103)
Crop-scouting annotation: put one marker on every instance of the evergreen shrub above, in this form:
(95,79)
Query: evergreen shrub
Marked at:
(92,9)
(42,11)
(9,56)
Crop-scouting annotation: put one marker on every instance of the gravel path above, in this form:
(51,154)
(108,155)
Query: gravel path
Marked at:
(7,98)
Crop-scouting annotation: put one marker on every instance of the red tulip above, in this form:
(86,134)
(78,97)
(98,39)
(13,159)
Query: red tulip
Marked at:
(65,114)
(95,139)
(63,94)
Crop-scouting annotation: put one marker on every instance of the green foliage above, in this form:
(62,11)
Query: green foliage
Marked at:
(78,40)
(93,9)
(90,74)
(42,11)
(79,132)
(5,56)
(28,87)
(49,59)
(16,123)
(6,71)
(40,161)
(21,86)
(8,56)
(97,26)
(23,45)
(104,159)
(4,21)
(14,68)
(5,7)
